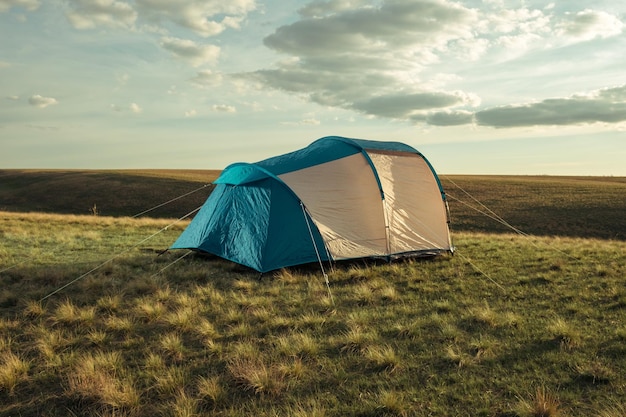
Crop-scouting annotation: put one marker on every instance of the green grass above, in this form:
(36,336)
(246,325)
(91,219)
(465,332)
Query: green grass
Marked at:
(539,205)
(544,334)
(540,332)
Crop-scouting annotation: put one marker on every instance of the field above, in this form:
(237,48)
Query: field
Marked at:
(511,325)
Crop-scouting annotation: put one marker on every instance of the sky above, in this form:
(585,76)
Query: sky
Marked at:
(479,87)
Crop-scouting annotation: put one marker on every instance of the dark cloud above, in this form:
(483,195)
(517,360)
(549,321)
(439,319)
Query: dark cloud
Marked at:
(402,105)
(448,118)
(359,57)
(371,57)
(394,24)
(607,106)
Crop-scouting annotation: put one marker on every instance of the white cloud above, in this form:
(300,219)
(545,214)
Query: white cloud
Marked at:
(88,14)
(30,5)
(590,24)
(204,17)
(320,8)
(190,51)
(13,98)
(522,20)
(134,107)
(223,108)
(207,78)
(42,102)
(394,41)
(311,121)
(191,113)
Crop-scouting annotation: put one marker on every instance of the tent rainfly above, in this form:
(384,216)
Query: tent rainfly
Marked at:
(336,199)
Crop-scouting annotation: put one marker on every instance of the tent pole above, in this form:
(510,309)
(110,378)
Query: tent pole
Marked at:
(319,258)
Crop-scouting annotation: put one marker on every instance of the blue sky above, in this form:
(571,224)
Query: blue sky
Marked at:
(480,87)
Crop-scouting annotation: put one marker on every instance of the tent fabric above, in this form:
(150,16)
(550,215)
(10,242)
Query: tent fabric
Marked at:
(338,198)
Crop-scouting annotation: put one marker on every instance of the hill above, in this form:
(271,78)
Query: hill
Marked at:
(112,193)
(538,205)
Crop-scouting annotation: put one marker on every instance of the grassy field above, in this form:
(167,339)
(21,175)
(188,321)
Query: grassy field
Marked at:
(545,206)
(509,326)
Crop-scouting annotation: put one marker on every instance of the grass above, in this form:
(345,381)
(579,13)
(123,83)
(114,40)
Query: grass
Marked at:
(543,335)
(539,205)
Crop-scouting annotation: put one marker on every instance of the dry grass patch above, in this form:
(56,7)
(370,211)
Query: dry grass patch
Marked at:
(211,389)
(184,405)
(391,403)
(110,303)
(254,375)
(542,403)
(34,309)
(169,379)
(121,324)
(103,378)
(383,358)
(13,370)
(357,339)
(300,345)
(563,332)
(172,345)
(149,309)
(183,318)
(68,313)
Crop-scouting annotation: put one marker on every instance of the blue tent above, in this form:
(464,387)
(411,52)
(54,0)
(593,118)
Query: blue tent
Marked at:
(338,198)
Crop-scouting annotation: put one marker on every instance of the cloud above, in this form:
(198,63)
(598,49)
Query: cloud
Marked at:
(207,78)
(448,118)
(42,102)
(324,8)
(134,107)
(602,106)
(13,98)
(395,25)
(336,40)
(311,121)
(403,105)
(223,108)
(88,14)
(191,113)
(385,59)
(30,5)
(590,24)
(190,51)
(204,17)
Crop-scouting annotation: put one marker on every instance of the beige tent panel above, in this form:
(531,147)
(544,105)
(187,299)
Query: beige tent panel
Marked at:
(416,213)
(344,201)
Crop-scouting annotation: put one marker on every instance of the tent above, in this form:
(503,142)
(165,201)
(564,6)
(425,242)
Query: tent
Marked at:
(336,199)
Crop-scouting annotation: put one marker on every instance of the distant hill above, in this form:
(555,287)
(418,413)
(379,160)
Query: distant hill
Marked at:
(540,205)
(109,193)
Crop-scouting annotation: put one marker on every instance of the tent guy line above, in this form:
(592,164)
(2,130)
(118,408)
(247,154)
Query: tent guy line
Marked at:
(172,200)
(111,259)
(494,216)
